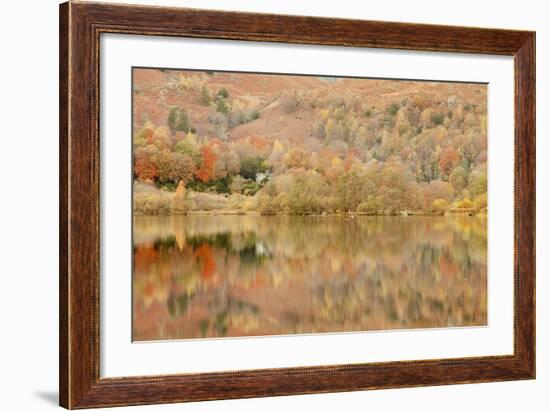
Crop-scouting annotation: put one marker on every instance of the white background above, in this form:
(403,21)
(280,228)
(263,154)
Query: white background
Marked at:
(29,219)
(119,357)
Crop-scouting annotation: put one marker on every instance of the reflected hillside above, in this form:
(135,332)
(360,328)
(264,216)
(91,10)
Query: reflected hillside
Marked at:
(216,276)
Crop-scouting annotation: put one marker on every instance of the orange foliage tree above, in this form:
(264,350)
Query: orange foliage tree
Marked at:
(448,160)
(206,170)
(144,168)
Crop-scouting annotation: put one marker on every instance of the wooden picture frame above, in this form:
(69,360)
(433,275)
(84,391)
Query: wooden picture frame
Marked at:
(80,27)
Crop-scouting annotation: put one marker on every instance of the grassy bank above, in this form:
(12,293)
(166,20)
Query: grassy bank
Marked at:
(150,200)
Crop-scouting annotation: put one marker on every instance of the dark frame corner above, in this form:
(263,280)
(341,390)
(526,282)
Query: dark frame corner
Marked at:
(80,27)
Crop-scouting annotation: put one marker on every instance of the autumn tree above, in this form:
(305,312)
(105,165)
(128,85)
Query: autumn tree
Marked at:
(208,159)
(165,165)
(439,206)
(183,168)
(351,190)
(465,203)
(307,192)
(448,160)
(397,188)
(334,130)
(143,137)
(438,189)
(231,162)
(352,152)
(478,183)
(371,205)
(144,166)
(161,138)
(480,201)
(459,179)
(296,158)
(237,184)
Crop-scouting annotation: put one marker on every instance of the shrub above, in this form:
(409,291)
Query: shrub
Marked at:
(250,188)
(288,103)
(480,201)
(182,205)
(249,204)
(254,115)
(153,203)
(166,186)
(237,184)
(393,109)
(465,203)
(273,204)
(267,205)
(208,202)
(438,118)
(439,206)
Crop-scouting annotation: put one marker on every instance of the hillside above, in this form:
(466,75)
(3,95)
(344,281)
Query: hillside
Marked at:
(400,145)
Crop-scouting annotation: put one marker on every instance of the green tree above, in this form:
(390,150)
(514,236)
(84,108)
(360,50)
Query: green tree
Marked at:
(221,106)
(223,93)
(172,119)
(205,96)
(183,123)
(178,120)
(392,109)
(187,147)
(250,166)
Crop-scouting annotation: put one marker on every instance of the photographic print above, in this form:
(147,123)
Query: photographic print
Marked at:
(275,204)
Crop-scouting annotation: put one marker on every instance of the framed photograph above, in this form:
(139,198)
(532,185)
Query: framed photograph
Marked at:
(259,205)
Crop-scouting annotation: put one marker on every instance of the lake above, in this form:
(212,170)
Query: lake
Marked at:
(226,276)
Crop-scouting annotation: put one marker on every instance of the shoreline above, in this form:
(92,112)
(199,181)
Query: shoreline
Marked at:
(477,213)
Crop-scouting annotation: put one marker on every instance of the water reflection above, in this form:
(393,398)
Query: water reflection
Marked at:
(215,276)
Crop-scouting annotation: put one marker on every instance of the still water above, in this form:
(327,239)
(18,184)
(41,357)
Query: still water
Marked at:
(224,276)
